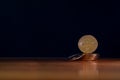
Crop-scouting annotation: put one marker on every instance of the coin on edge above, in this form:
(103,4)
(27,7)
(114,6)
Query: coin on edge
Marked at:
(87,44)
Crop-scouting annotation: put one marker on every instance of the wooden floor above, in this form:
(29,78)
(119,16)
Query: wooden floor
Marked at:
(59,70)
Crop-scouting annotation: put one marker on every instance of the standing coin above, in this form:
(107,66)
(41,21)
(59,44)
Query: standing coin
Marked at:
(87,44)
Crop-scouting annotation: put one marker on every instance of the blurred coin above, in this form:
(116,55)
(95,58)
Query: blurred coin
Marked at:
(90,57)
(86,57)
(75,57)
(87,44)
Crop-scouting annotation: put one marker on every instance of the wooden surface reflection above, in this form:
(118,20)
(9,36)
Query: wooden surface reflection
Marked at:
(60,70)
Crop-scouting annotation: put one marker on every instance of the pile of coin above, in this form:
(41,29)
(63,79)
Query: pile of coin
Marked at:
(87,44)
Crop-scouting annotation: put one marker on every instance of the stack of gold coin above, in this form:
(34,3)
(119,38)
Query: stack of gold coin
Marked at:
(88,44)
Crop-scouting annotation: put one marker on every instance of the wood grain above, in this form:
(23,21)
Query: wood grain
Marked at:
(60,70)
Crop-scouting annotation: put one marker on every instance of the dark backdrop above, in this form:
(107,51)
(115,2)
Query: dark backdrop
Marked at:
(52,28)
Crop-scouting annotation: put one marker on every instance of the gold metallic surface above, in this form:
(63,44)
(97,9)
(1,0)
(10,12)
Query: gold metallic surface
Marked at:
(85,57)
(90,57)
(87,44)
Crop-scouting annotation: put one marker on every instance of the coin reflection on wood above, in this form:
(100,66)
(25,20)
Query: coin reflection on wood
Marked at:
(87,44)
(89,71)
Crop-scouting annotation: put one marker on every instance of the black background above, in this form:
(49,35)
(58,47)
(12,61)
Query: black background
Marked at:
(52,28)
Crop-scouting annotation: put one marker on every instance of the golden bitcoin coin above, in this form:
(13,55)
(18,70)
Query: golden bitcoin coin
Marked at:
(87,44)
